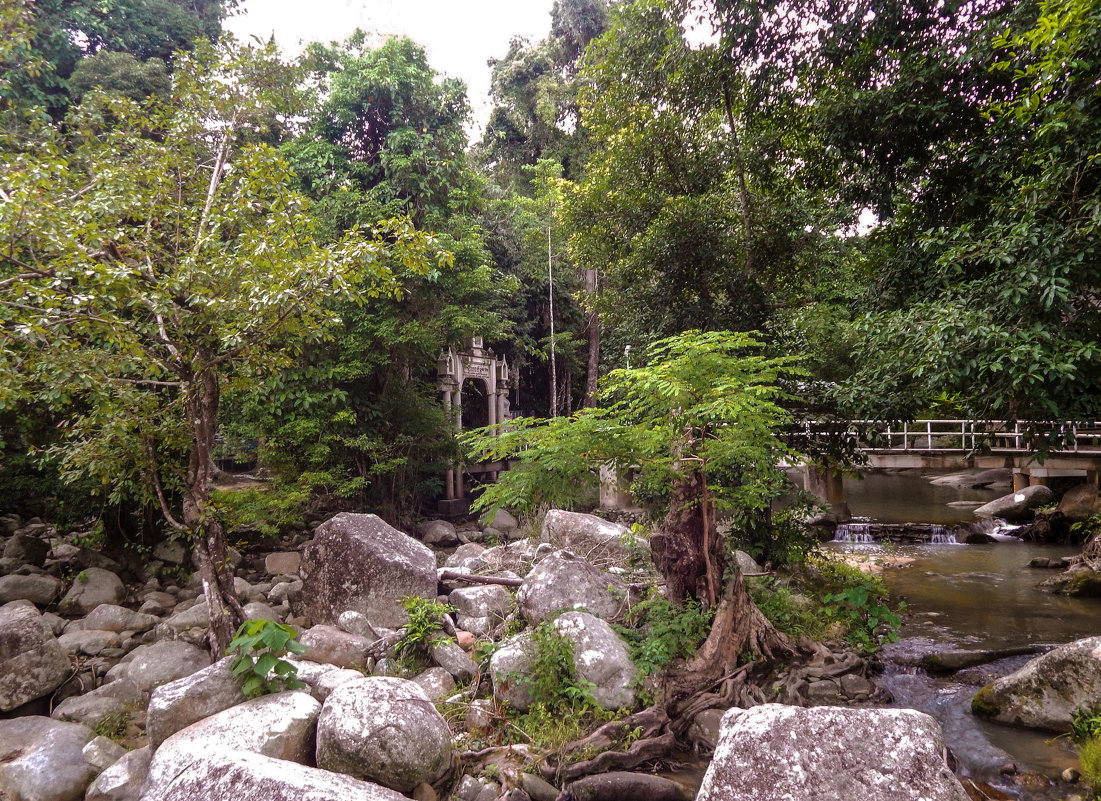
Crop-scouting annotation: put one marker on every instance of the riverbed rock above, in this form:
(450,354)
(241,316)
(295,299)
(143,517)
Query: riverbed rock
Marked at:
(122,781)
(565,581)
(109,617)
(1079,581)
(481,609)
(451,657)
(32,662)
(617,785)
(119,699)
(1080,503)
(1017,507)
(586,534)
(282,563)
(43,759)
(88,642)
(778,753)
(281,726)
(39,590)
(164,662)
(91,587)
(178,704)
(331,646)
(383,730)
(599,657)
(439,534)
(361,563)
(1044,693)
(26,550)
(244,776)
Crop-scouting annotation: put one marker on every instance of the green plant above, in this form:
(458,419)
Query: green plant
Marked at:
(258,665)
(1085,724)
(551,680)
(113,725)
(423,629)
(1089,754)
(863,608)
(270,510)
(661,632)
(788,611)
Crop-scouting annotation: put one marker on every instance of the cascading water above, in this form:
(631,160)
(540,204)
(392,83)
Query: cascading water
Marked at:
(997,528)
(942,536)
(854,532)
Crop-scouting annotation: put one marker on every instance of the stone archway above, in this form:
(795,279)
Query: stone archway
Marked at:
(478,365)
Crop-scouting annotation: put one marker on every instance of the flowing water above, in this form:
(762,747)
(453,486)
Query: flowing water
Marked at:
(972,597)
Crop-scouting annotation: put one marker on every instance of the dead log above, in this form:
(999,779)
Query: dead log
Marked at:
(451,575)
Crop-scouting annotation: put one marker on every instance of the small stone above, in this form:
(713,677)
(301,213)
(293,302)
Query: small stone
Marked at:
(465,640)
(479,715)
(1071,776)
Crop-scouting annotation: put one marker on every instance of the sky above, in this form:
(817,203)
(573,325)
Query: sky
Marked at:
(459,35)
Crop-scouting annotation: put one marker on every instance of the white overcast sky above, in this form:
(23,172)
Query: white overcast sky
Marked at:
(459,35)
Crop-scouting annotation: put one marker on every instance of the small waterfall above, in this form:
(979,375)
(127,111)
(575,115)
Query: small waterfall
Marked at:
(853,532)
(939,535)
(997,528)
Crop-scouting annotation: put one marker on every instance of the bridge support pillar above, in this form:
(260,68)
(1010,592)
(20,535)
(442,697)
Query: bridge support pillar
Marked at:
(1020,480)
(827,484)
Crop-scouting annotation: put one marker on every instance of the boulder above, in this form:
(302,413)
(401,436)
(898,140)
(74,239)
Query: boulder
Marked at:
(322,687)
(190,623)
(172,551)
(984,478)
(258,610)
(331,646)
(101,753)
(599,657)
(178,704)
(32,662)
(1077,504)
(123,781)
(482,608)
(27,550)
(564,581)
(93,586)
(452,658)
(1079,581)
(245,776)
(436,682)
(164,662)
(467,558)
(383,730)
(358,562)
(116,699)
(88,643)
(502,521)
(585,534)
(39,590)
(617,784)
(1045,691)
(109,617)
(439,534)
(281,726)
(1017,507)
(777,753)
(43,759)
(282,563)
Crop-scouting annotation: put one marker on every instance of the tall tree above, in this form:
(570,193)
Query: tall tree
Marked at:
(151,257)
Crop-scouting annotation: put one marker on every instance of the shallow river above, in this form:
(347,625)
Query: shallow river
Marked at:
(969,597)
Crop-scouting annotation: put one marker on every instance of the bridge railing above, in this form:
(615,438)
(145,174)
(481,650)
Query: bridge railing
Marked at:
(970,435)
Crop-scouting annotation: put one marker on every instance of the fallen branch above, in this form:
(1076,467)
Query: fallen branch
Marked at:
(451,575)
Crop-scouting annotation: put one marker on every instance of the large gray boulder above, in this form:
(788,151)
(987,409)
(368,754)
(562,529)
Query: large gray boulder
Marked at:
(281,726)
(331,646)
(1077,504)
(778,753)
(124,780)
(163,662)
(589,535)
(1044,693)
(358,562)
(32,662)
(43,759)
(92,587)
(481,609)
(39,590)
(1017,507)
(564,581)
(599,657)
(110,617)
(120,698)
(27,550)
(383,730)
(178,704)
(244,776)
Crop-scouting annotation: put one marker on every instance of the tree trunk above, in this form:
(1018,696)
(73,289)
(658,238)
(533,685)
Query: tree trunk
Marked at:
(678,547)
(592,372)
(224,609)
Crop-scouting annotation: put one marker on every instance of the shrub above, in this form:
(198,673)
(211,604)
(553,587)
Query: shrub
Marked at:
(423,629)
(258,665)
(661,632)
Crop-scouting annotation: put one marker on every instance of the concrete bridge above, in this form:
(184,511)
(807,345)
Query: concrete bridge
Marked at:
(961,445)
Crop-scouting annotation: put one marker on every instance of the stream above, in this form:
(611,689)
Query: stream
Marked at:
(973,597)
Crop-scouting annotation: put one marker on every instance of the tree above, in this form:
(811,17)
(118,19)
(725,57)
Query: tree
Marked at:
(154,256)
(699,421)
(998,315)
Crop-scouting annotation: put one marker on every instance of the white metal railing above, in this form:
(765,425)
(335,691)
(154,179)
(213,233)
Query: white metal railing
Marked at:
(969,435)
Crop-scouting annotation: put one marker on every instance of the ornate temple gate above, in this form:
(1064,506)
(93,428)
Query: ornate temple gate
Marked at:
(480,364)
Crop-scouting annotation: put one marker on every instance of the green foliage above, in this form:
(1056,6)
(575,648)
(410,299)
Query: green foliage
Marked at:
(660,632)
(423,628)
(1089,754)
(270,510)
(258,664)
(1085,723)
(113,725)
(790,613)
(860,603)
(552,681)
